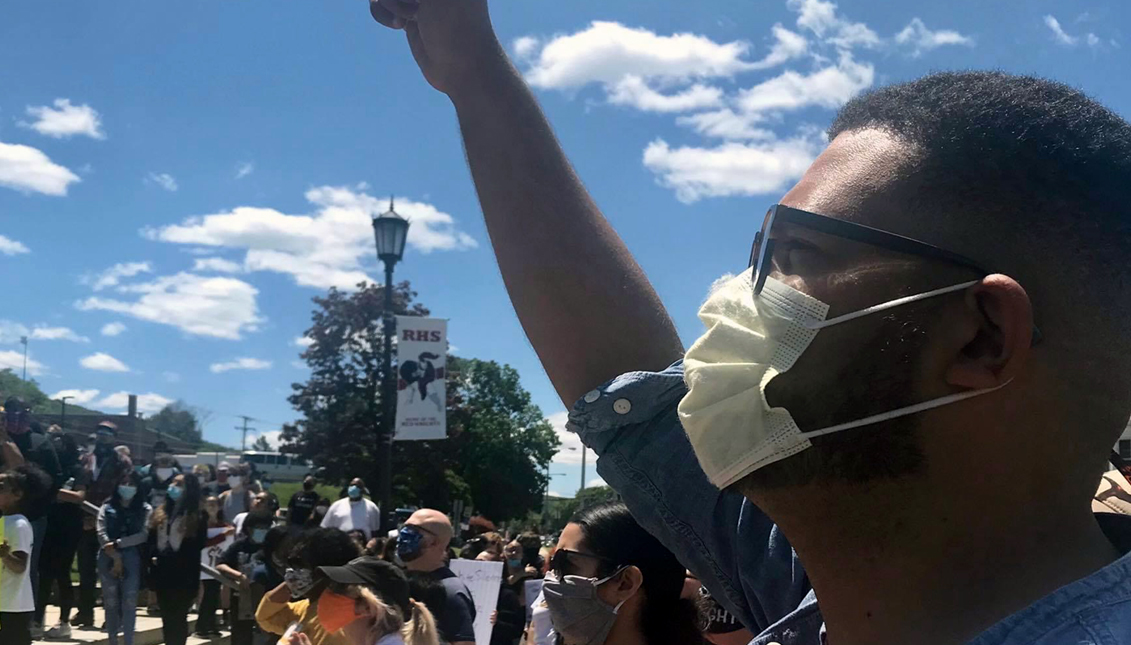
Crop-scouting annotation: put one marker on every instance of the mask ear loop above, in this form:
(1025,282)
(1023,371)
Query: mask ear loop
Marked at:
(888,305)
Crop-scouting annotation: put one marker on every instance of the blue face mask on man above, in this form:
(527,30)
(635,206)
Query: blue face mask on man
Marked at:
(174,492)
(258,535)
(354,491)
(126,492)
(410,543)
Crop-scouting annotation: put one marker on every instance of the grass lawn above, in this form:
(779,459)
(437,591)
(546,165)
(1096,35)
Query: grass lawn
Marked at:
(286,489)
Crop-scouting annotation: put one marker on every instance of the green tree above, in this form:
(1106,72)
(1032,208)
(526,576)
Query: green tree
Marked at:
(498,443)
(262,444)
(594,495)
(179,420)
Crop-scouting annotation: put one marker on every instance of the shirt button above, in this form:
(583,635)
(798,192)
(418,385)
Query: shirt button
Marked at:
(622,406)
(592,396)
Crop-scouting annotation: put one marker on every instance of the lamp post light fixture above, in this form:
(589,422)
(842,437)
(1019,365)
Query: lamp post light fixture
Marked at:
(390,231)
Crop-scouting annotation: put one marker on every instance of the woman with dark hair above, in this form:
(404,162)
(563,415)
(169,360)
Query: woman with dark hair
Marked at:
(122,531)
(178,531)
(610,582)
(218,538)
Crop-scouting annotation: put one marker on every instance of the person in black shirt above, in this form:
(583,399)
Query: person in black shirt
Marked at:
(37,449)
(302,504)
(422,544)
(239,563)
(62,541)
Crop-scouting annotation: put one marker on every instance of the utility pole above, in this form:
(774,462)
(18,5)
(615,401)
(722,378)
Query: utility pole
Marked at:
(23,339)
(584,452)
(244,429)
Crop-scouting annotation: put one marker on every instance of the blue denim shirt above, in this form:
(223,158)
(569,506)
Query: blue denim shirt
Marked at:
(745,561)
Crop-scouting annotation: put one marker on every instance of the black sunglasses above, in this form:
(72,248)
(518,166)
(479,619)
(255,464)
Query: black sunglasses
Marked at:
(560,562)
(762,251)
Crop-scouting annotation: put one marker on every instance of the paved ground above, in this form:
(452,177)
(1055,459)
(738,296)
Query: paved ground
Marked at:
(147,632)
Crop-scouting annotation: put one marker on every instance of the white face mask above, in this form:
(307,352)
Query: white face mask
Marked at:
(235,481)
(749,341)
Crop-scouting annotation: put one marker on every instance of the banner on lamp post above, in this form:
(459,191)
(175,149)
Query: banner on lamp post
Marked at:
(422,353)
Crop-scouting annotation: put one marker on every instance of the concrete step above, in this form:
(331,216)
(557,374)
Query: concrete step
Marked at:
(146,632)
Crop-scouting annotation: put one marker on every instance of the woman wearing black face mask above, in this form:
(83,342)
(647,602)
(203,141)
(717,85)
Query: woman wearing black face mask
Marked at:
(611,583)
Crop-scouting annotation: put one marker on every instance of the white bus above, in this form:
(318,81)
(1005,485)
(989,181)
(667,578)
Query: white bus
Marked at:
(276,466)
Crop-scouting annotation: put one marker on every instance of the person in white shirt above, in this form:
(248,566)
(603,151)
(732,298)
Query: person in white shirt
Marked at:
(354,512)
(20,489)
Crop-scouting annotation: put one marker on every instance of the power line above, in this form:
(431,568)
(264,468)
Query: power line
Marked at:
(244,429)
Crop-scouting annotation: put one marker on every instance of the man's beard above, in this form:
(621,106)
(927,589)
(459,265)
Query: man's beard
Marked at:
(879,378)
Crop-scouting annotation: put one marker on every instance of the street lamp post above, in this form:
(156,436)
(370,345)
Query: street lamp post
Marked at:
(390,231)
(23,339)
(63,412)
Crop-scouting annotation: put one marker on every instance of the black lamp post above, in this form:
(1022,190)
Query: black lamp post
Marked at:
(390,231)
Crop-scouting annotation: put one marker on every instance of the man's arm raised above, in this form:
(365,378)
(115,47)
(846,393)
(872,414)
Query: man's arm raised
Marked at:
(583,301)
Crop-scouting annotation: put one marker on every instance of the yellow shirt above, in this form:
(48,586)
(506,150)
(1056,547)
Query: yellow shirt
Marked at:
(275,617)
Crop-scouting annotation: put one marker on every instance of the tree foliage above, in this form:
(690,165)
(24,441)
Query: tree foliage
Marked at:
(12,385)
(498,442)
(179,420)
(262,444)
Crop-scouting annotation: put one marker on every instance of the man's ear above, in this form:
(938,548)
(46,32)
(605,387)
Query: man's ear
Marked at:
(995,334)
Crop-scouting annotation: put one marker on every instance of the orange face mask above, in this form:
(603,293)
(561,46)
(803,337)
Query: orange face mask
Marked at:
(335,611)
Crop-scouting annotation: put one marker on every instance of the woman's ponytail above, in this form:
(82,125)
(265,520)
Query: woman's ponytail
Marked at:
(421,626)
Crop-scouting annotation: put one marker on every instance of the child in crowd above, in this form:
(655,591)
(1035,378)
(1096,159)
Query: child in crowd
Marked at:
(20,489)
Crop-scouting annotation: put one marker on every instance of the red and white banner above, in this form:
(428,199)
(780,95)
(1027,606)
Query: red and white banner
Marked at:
(422,396)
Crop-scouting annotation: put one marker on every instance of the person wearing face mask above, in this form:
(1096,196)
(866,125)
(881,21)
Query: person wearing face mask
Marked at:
(239,563)
(302,503)
(158,474)
(178,531)
(936,311)
(38,449)
(65,520)
(509,617)
(263,503)
(422,544)
(104,468)
(611,583)
(354,511)
(237,499)
(123,528)
(220,536)
(368,602)
(296,600)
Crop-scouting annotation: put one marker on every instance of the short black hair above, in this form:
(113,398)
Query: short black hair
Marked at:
(324,547)
(34,485)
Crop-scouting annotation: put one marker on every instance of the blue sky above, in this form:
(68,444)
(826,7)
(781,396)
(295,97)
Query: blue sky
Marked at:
(175,185)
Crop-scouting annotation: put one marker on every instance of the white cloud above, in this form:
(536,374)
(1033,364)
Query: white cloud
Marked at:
(920,39)
(240,364)
(220,265)
(9,246)
(570,450)
(15,361)
(164,180)
(726,124)
(299,365)
(11,331)
(524,46)
(65,120)
(219,307)
(1058,32)
(596,481)
(148,403)
(77,397)
(103,362)
(828,87)
(27,169)
(171,377)
(244,169)
(303,341)
(322,249)
(606,52)
(632,91)
(113,276)
(57,333)
(732,168)
(820,17)
(113,329)
(1092,40)
(787,46)
(555,493)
